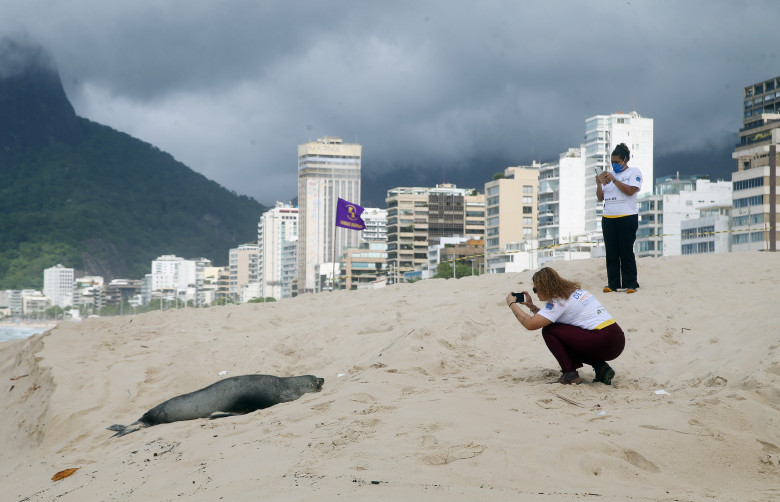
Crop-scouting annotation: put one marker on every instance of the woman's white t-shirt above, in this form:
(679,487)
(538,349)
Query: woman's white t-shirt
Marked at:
(580,309)
(616,203)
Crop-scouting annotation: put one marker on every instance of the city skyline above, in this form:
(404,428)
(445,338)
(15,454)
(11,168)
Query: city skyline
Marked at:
(232,100)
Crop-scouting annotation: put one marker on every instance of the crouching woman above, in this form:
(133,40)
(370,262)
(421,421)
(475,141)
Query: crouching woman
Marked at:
(575,326)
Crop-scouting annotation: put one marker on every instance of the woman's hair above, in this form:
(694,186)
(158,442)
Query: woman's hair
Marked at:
(549,285)
(622,151)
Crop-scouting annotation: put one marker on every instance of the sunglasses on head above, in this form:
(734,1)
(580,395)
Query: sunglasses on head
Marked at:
(534,289)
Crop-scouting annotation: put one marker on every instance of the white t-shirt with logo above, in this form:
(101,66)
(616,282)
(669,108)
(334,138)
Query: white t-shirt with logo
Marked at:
(580,309)
(616,203)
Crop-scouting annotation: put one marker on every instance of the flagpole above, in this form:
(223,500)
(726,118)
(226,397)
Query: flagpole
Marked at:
(333,277)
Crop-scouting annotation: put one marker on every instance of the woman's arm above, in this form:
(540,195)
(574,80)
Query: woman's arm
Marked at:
(599,190)
(626,189)
(529,322)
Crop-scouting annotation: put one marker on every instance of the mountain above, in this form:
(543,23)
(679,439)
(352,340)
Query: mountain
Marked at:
(91,198)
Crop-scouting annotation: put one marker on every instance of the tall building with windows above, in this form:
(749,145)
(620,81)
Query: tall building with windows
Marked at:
(58,285)
(602,134)
(511,208)
(754,211)
(276,226)
(327,169)
(417,214)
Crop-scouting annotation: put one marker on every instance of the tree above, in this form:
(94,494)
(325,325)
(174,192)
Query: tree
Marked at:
(444,270)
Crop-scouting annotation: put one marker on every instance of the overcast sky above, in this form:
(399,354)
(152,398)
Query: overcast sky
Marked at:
(230,88)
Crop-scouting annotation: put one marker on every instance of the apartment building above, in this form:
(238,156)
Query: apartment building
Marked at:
(754,205)
(242,269)
(276,226)
(58,285)
(511,208)
(415,215)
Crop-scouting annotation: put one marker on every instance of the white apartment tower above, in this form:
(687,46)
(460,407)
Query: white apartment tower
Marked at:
(376,224)
(562,197)
(602,134)
(276,226)
(327,169)
(58,285)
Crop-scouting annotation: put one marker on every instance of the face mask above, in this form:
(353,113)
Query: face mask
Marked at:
(618,167)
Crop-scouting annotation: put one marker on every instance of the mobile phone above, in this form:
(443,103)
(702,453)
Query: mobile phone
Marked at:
(519,297)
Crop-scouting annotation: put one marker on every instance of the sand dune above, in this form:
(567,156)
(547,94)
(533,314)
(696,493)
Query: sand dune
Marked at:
(432,391)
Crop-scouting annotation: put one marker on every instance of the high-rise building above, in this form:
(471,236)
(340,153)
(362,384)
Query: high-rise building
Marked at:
(602,134)
(754,213)
(511,208)
(417,214)
(327,169)
(276,226)
(243,269)
(58,285)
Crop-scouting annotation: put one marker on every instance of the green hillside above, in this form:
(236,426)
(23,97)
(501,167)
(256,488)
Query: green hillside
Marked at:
(84,195)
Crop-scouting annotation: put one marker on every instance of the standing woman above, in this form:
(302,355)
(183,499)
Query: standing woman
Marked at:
(620,219)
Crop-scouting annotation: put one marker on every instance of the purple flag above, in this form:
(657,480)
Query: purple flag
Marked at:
(348,215)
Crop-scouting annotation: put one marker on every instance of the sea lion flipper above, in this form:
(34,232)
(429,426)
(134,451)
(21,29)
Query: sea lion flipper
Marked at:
(121,430)
(223,414)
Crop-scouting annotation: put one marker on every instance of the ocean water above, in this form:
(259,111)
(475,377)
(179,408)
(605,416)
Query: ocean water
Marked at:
(19,331)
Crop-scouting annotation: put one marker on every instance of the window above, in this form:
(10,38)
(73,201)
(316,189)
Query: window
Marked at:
(749,201)
(528,189)
(749,183)
(527,220)
(528,200)
(527,231)
(493,190)
(739,239)
(492,211)
(492,201)
(756,236)
(647,246)
(528,210)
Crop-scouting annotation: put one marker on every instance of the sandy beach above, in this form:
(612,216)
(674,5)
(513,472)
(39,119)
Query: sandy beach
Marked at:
(433,391)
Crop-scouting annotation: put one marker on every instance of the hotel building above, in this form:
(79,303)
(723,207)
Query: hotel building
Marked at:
(327,169)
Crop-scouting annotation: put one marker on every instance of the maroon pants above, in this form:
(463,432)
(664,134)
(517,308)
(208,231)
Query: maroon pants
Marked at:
(573,346)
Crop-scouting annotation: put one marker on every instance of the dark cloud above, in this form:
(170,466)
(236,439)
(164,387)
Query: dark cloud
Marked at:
(232,88)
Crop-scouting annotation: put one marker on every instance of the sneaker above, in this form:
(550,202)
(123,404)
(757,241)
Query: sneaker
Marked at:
(570,377)
(630,290)
(604,374)
(607,289)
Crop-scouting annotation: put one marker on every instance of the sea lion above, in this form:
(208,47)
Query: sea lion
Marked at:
(232,396)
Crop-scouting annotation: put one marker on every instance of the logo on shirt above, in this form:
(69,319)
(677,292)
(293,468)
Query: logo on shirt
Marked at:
(549,306)
(638,179)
